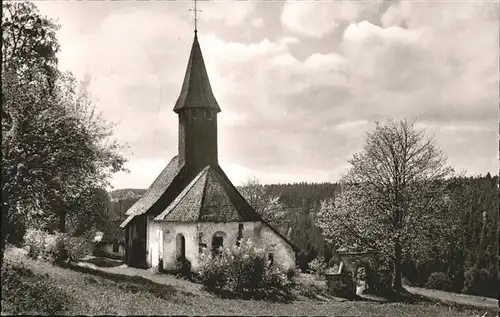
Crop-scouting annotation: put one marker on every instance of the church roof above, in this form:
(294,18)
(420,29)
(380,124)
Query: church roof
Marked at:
(196,91)
(211,198)
(155,191)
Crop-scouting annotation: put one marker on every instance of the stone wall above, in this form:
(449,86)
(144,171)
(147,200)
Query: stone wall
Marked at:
(283,252)
(162,241)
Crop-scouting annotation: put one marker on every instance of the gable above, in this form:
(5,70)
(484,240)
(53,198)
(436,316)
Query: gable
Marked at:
(217,207)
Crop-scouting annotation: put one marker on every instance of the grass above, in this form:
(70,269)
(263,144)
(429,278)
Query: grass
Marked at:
(94,293)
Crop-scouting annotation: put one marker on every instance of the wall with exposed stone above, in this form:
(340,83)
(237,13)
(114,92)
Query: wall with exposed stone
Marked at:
(162,241)
(284,255)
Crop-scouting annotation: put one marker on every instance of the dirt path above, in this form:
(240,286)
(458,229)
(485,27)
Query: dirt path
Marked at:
(180,284)
(454,298)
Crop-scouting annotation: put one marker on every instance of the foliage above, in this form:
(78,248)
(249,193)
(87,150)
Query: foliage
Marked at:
(394,197)
(440,281)
(24,292)
(29,40)
(480,282)
(88,212)
(44,246)
(47,247)
(243,271)
(269,207)
(77,248)
(318,266)
(56,148)
(309,288)
(472,238)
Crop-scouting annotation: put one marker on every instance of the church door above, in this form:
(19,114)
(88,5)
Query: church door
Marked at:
(181,247)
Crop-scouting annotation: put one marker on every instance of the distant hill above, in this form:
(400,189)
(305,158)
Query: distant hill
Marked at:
(126,193)
(123,199)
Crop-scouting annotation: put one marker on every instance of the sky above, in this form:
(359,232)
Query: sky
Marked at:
(300,83)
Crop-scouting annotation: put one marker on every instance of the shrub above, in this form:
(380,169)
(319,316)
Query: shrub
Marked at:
(57,247)
(440,281)
(480,282)
(309,288)
(24,292)
(243,271)
(43,246)
(77,247)
(318,266)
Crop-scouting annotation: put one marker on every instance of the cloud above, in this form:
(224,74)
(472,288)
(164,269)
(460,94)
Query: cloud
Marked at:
(428,69)
(258,23)
(294,117)
(315,19)
(231,13)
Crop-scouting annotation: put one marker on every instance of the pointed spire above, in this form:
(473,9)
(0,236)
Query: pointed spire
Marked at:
(196,91)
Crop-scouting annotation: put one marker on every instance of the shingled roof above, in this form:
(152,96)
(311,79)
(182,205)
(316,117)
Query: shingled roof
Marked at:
(155,191)
(211,197)
(208,198)
(196,91)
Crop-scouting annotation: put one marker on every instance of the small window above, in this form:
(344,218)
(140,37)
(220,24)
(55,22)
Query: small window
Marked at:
(240,234)
(115,247)
(209,115)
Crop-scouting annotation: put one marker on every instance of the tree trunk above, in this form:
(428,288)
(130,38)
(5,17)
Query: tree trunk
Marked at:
(62,229)
(5,228)
(397,285)
(62,221)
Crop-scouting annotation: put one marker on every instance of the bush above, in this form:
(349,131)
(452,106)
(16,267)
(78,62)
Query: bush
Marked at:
(318,266)
(24,292)
(243,271)
(57,247)
(77,247)
(309,288)
(43,246)
(480,282)
(440,281)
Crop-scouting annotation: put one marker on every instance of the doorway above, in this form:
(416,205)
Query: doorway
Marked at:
(181,247)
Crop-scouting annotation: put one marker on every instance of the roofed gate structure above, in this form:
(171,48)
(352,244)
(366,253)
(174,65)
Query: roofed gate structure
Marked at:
(192,204)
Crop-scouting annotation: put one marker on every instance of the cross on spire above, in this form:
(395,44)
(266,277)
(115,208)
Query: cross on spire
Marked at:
(195,10)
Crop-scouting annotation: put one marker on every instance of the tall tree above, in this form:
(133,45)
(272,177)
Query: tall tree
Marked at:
(393,198)
(55,145)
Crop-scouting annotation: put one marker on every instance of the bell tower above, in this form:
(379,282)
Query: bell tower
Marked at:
(197,110)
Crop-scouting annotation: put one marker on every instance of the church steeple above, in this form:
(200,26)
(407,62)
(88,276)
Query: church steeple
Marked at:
(196,91)
(197,110)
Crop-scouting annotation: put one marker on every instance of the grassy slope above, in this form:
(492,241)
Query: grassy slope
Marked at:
(100,295)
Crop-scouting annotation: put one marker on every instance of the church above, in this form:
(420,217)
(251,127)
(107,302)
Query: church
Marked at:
(192,205)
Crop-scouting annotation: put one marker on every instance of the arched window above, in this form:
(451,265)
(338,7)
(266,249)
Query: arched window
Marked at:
(218,242)
(181,247)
